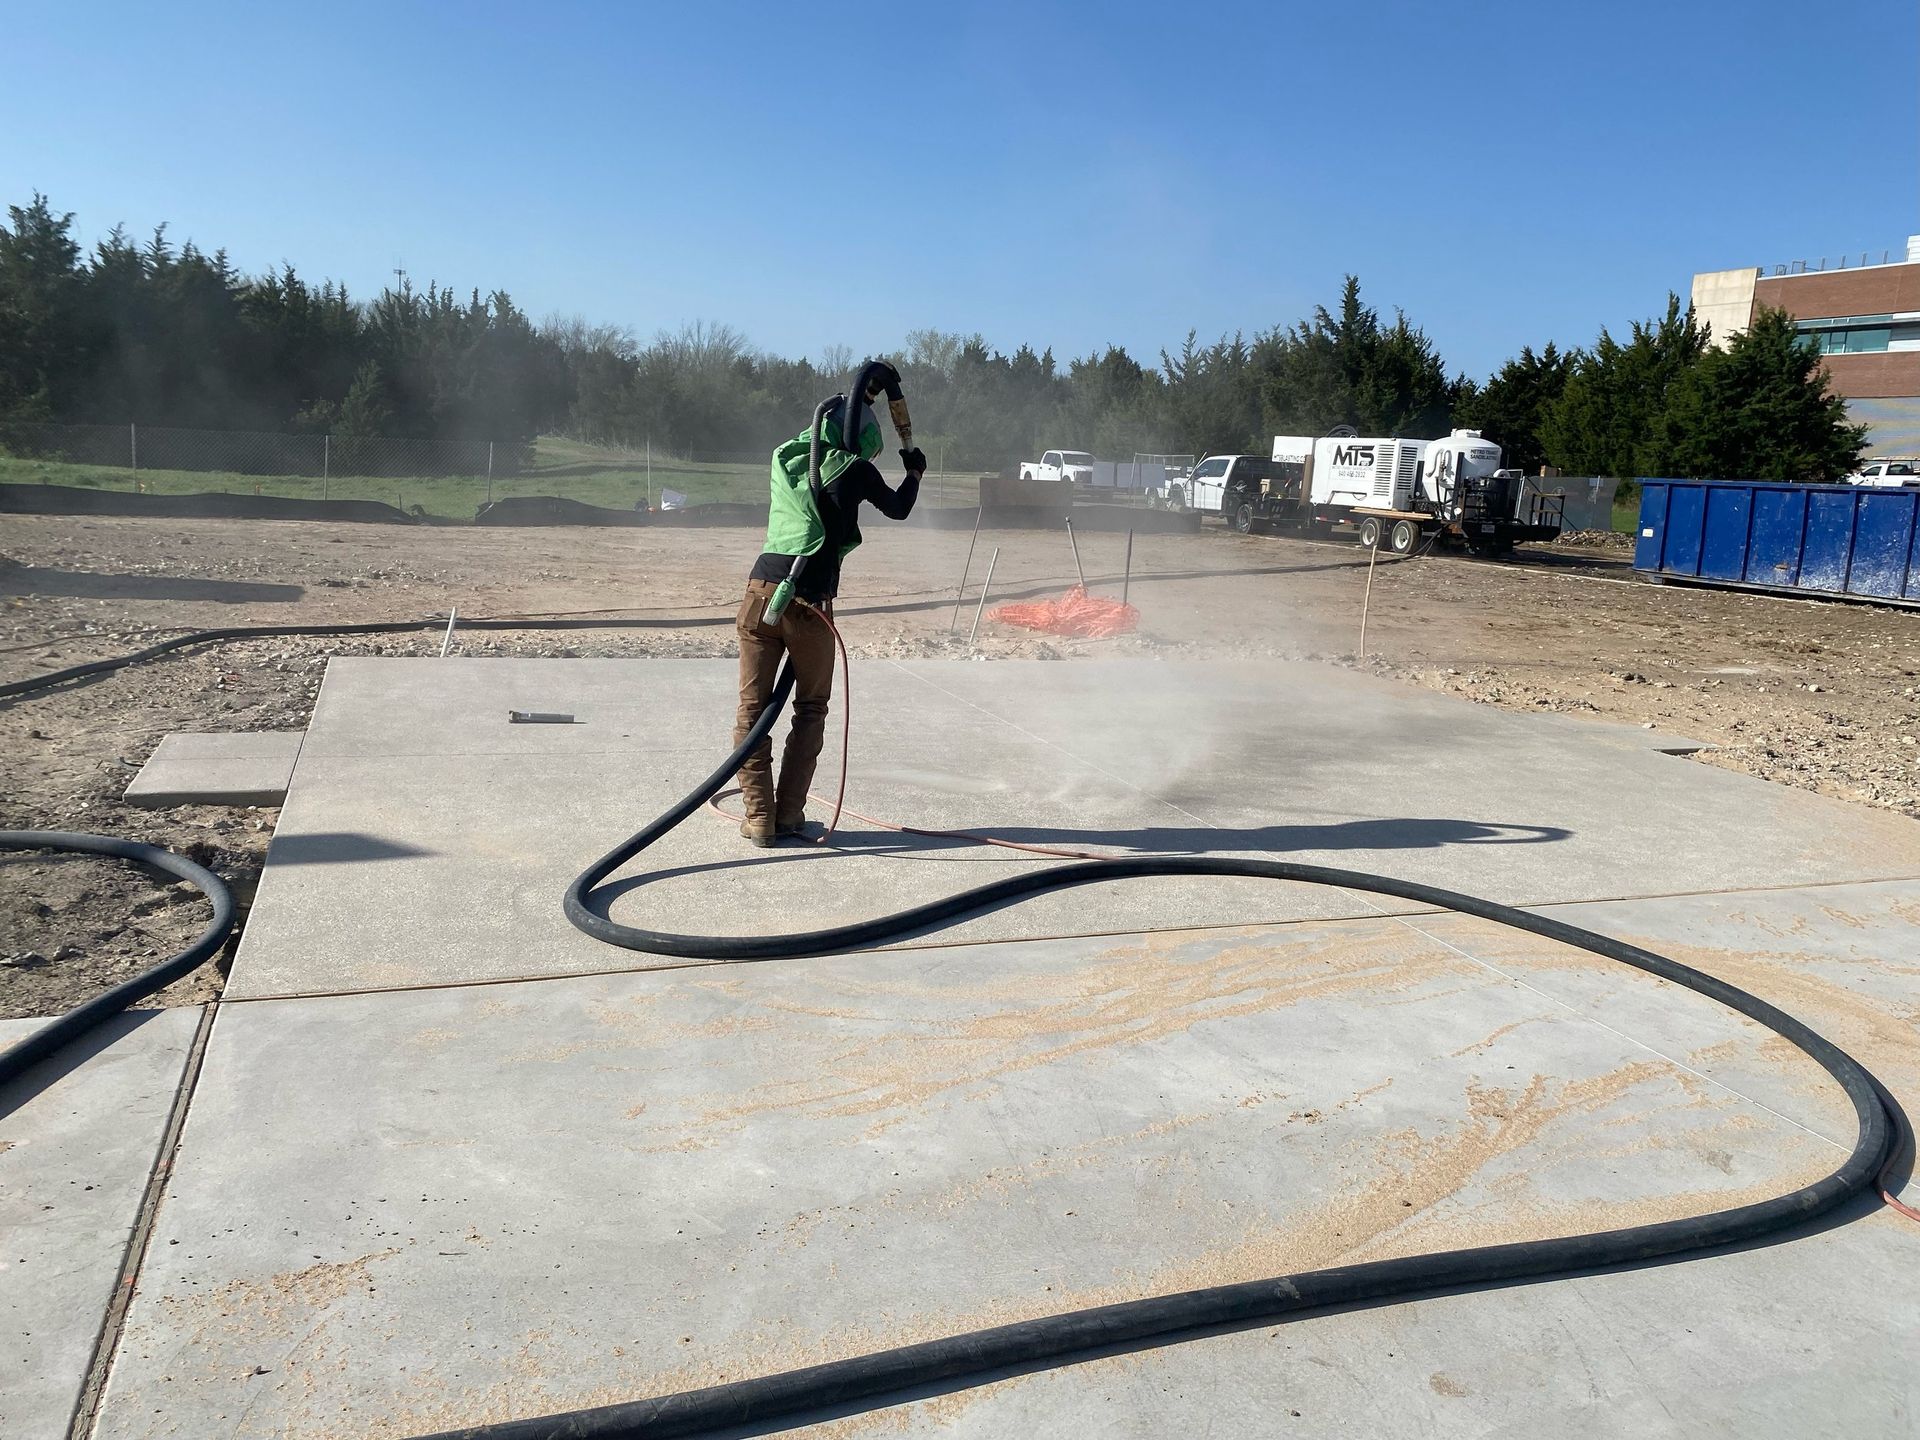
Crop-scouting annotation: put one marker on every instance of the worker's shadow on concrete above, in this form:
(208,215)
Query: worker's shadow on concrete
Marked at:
(91,585)
(1275,840)
(1371,834)
(337,847)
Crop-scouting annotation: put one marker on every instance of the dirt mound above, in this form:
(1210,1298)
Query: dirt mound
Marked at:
(1596,540)
(210,505)
(554,510)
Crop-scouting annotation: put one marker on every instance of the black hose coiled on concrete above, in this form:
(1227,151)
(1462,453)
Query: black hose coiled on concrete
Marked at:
(18,1059)
(768,1401)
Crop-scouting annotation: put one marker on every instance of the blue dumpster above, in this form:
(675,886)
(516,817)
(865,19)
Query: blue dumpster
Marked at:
(1802,539)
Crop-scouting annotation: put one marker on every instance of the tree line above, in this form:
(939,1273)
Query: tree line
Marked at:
(159,335)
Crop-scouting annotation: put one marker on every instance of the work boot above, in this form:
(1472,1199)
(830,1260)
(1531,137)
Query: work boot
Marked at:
(756,800)
(794,829)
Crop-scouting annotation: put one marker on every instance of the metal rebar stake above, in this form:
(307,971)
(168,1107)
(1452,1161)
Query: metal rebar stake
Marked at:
(1076,556)
(1126,581)
(1366,602)
(985,586)
(452,615)
(966,570)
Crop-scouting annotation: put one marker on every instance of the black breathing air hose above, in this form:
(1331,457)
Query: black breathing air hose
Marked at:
(774,1401)
(33,684)
(17,1059)
(875,376)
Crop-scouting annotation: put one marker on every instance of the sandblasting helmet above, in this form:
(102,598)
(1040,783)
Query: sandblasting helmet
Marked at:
(870,437)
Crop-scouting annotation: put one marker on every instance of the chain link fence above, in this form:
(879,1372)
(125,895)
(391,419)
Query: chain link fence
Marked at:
(243,452)
(452,479)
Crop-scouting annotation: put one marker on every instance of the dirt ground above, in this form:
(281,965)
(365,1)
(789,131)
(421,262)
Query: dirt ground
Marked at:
(1813,694)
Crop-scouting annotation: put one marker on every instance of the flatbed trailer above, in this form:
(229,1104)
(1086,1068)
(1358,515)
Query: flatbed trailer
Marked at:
(1398,494)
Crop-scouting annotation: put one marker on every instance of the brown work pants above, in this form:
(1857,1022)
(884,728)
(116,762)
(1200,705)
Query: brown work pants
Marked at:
(804,636)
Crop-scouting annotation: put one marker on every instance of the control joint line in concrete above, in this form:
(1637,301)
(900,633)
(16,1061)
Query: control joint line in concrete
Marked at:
(670,966)
(908,947)
(1729,890)
(293,772)
(1592,1019)
(107,1343)
(639,747)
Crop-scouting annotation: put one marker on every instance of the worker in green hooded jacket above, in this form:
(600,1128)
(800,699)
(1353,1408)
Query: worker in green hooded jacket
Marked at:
(825,531)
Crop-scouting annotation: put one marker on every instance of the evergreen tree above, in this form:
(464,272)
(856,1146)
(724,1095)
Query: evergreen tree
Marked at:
(1402,387)
(365,411)
(1511,407)
(1113,405)
(1353,371)
(1310,371)
(1760,409)
(43,323)
(1607,418)
(1212,396)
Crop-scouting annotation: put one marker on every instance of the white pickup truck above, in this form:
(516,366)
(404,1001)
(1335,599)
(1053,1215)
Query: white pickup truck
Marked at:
(1073,466)
(1894,472)
(1217,477)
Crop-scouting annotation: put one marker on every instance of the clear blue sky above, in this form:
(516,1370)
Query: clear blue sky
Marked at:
(1068,175)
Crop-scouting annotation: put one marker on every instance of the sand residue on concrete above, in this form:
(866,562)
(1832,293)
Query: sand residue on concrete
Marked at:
(1138,994)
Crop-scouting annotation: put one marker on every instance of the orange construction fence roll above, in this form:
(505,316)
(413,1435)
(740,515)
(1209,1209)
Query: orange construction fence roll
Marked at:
(1075,613)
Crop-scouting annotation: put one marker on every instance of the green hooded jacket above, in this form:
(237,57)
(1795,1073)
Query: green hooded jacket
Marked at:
(794,526)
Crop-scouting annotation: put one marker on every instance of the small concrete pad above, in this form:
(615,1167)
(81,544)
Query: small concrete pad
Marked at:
(74,1164)
(397,1213)
(245,768)
(427,841)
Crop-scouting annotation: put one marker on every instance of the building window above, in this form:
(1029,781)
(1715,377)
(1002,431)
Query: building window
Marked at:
(1865,340)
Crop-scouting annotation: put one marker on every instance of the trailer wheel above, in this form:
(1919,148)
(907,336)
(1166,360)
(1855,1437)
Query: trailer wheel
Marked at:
(1370,533)
(1176,498)
(1405,536)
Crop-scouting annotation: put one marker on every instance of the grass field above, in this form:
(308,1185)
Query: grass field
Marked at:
(591,474)
(1626,509)
(588,473)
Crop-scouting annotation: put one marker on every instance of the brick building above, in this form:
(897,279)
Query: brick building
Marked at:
(1865,318)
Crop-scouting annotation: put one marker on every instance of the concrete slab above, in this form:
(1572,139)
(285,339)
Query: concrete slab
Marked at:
(247,768)
(427,841)
(74,1164)
(1844,954)
(400,1212)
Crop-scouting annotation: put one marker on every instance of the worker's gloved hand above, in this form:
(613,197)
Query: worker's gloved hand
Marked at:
(915,460)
